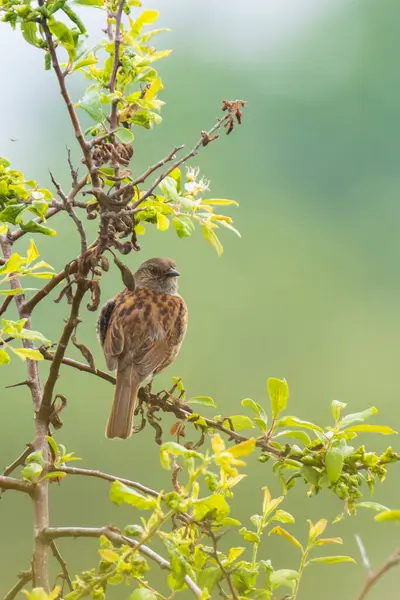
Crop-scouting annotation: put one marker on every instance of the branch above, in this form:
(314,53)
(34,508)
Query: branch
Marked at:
(63,564)
(52,533)
(116,64)
(158,165)
(7,301)
(69,208)
(225,573)
(24,577)
(18,461)
(373,578)
(61,348)
(80,366)
(107,477)
(10,483)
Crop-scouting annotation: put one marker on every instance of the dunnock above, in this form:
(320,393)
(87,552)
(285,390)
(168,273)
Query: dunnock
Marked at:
(141,332)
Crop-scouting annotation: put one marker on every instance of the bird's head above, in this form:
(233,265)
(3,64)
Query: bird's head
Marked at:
(159,274)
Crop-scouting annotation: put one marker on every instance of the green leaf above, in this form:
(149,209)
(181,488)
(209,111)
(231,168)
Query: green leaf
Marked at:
(124,135)
(39,208)
(209,577)
(31,471)
(325,541)
(336,407)
(295,422)
(317,529)
(230,227)
(299,435)
(85,62)
(357,417)
(214,506)
(64,36)
(95,3)
(53,445)
(54,475)
(372,506)
(168,186)
(204,400)
(184,226)
(249,536)
(262,419)
(4,357)
(122,494)
(212,238)
(13,264)
(334,461)
(32,253)
(388,515)
(33,227)
(30,353)
(243,449)
(383,429)
(283,517)
(278,391)
(36,457)
(29,334)
(288,536)
(239,422)
(29,33)
(162,222)
(284,577)
(13,213)
(142,594)
(91,104)
(329,560)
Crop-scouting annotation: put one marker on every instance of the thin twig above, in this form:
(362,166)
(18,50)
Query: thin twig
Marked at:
(156,166)
(107,477)
(80,366)
(18,461)
(225,573)
(117,539)
(373,578)
(7,301)
(69,208)
(116,63)
(24,578)
(63,564)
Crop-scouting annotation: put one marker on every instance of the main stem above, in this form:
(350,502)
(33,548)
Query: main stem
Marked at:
(40,496)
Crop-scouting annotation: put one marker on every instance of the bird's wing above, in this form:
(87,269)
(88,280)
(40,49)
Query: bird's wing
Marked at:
(139,330)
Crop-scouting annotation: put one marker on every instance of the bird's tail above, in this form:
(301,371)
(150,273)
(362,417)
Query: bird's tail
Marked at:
(120,421)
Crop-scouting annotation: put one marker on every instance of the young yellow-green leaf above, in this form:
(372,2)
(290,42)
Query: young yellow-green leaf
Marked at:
(317,529)
(283,517)
(154,88)
(329,560)
(249,536)
(147,17)
(284,577)
(357,417)
(336,407)
(53,445)
(204,400)
(325,541)
(217,444)
(212,238)
(388,515)
(295,422)
(4,357)
(124,135)
(40,594)
(13,265)
(32,253)
(54,475)
(162,222)
(239,422)
(383,429)
(31,471)
(282,532)
(372,506)
(278,391)
(234,553)
(108,555)
(3,228)
(299,435)
(214,505)
(334,461)
(243,449)
(64,35)
(121,493)
(25,353)
(217,201)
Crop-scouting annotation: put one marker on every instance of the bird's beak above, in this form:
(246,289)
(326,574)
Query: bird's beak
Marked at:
(172,272)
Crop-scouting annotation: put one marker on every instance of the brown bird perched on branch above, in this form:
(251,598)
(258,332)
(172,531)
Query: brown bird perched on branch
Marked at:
(141,332)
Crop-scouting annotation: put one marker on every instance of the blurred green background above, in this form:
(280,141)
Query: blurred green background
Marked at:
(310,293)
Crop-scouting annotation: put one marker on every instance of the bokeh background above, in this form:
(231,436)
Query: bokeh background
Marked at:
(311,292)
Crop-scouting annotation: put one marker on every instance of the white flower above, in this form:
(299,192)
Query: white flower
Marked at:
(192,173)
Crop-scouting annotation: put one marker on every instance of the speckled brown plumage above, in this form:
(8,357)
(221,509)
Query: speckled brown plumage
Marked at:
(141,333)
